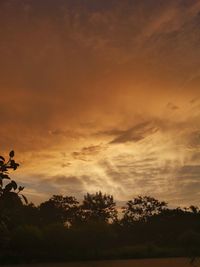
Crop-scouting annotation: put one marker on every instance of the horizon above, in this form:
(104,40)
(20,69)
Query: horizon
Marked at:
(102,96)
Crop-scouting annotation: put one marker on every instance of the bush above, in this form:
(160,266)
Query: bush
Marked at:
(27,237)
(4,236)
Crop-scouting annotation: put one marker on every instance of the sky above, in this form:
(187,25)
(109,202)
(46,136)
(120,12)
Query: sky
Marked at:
(102,95)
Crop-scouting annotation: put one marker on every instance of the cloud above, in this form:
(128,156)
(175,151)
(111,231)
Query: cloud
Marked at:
(190,170)
(86,152)
(171,106)
(135,133)
(65,165)
(55,185)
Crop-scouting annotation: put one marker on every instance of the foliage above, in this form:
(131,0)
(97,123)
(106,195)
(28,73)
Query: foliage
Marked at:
(59,209)
(11,199)
(10,192)
(99,207)
(26,237)
(142,208)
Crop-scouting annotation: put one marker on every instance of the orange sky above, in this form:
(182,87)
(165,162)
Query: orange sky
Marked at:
(102,95)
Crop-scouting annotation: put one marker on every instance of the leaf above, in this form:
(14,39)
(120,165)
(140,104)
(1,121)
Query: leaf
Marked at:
(12,154)
(14,185)
(16,165)
(4,168)
(8,187)
(4,176)
(21,188)
(2,158)
(25,199)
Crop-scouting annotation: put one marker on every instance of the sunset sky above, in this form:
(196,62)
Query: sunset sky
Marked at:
(102,95)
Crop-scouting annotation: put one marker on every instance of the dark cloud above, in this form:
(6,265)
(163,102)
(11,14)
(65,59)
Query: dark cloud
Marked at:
(196,157)
(65,165)
(68,181)
(172,106)
(190,170)
(135,133)
(193,139)
(66,133)
(87,152)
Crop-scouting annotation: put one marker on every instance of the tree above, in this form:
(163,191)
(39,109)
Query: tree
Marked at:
(10,193)
(194,209)
(59,209)
(142,208)
(11,199)
(99,207)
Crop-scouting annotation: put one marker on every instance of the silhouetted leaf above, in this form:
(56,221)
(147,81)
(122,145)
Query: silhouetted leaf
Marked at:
(4,176)
(21,188)
(2,158)
(16,165)
(14,185)
(13,164)
(4,168)
(8,187)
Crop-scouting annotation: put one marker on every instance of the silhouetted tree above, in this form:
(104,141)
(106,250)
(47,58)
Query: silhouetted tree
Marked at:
(141,208)
(59,209)
(194,209)
(99,207)
(11,199)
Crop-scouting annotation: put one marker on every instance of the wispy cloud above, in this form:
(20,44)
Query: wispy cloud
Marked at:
(86,153)
(135,133)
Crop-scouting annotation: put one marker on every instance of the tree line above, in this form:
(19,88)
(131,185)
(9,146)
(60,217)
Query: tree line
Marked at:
(62,228)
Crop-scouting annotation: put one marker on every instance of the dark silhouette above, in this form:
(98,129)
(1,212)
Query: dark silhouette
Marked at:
(62,228)
(59,209)
(11,199)
(99,207)
(142,208)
